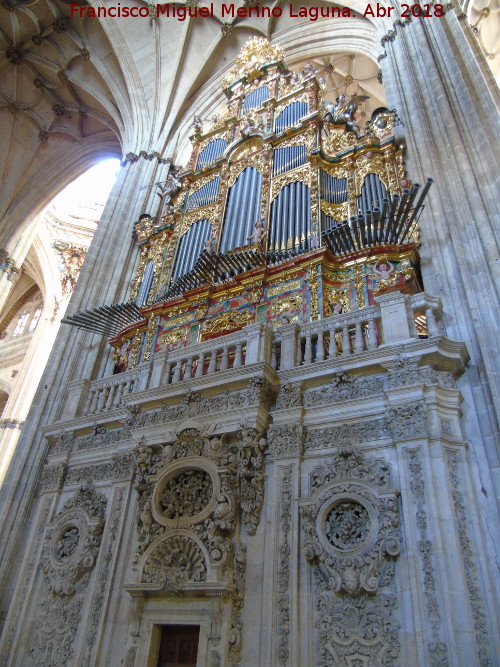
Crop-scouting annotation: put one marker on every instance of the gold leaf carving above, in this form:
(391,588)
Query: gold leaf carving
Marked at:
(231,319)
(286,287)
(285,305)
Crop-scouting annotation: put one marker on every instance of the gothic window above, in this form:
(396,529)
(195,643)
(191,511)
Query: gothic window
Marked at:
(256,98)
(4,397)
(191,246)
(35,319)
(21,323)
(291,115)
(242,211)
(290,226)
(210,153)
(179,645)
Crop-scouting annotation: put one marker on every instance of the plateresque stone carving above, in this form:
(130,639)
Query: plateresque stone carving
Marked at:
(352,538)
(68,557)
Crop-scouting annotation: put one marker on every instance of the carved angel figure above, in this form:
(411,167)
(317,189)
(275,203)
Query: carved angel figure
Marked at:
(258,233)
(197,124)
(383,270)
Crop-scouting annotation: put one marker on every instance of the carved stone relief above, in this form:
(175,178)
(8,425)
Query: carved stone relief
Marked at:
(438,656)
(289,396)
(345,434)
(195,404)
(194,497)
(284,551)
(68,557)
(469,561)
(407,422)
(352,538)
(285,439)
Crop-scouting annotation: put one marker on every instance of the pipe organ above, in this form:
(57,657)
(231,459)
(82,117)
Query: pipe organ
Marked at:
(286,209)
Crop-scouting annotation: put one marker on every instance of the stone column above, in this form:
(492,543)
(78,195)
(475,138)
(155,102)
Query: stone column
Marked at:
(104,279)
(435,76)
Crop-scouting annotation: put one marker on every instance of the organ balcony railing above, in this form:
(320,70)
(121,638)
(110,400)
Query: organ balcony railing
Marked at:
(396,319)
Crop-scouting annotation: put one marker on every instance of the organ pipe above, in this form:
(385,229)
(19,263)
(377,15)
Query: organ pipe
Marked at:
(211,152)
(291,115)
(242,211)
(255,99)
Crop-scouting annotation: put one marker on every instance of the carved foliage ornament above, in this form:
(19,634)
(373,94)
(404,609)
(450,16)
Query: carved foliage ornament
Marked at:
(255,52)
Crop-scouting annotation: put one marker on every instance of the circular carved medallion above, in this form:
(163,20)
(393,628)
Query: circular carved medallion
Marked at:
(186,495)
(347,525)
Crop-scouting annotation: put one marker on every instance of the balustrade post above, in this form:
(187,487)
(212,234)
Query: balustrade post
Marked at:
(188,368)
(332,345)
(396,316)
(93,402)
(100,401)
(225,358)
(177,372)
(77,399)
(158,365)
(320,350)
(166,375)
(200,364)
(372,334)
(212,366)
(358,338)
(346,343)
(111,395)
(432,327)
(118,395)
(237,356)
(289,342)
(308,350)
(259,343)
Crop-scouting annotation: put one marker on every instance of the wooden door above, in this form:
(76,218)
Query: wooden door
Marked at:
(179,645)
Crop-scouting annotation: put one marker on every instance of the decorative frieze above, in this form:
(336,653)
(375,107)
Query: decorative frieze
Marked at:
(289,396)
(345,434)
(285,439)
(196,404)
(121,466)
(407,422)
(53,477)
(344,386)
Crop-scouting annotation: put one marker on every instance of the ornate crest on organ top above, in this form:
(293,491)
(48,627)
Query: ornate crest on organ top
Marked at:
(288,211)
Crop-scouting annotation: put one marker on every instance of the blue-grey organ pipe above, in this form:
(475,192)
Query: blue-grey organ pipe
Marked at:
(288,158)
(211,152)
(242,210)
(191,246)
(291,115)
(372,195)
(207,194)
(255,99)
(332,190)
(147,279)
(291,218)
